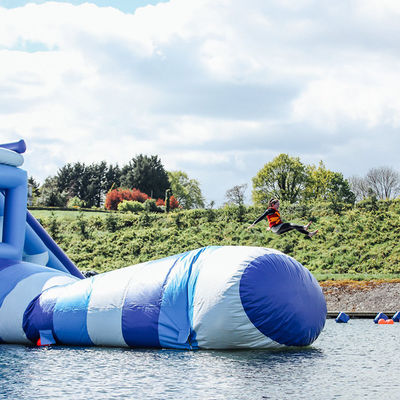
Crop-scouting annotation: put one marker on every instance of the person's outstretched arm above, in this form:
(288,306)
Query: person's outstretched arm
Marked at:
(261,217)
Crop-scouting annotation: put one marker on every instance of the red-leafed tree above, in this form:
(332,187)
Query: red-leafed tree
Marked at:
(116,196)
(137,195)
(173,203)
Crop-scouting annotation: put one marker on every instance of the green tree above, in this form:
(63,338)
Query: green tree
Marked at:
(284,177)
(112,178)
(96,184)
(75,202)
(89,183)
(147,174)
(186,191)
(73,180)
(50,194)
(323,184)
(35,190)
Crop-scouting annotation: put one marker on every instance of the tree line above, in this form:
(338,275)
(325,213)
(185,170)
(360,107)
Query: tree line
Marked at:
(294,182)
(285,177)
(79,184)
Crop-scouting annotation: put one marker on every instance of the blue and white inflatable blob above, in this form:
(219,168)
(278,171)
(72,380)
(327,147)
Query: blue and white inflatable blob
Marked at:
(211,298)
(226,297)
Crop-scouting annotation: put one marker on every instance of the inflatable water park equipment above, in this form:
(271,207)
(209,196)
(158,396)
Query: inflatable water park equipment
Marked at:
(380,316)
(396,317)
(218,297)
(342,318)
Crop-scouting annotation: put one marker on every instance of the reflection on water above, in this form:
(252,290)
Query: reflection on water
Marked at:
(333,367)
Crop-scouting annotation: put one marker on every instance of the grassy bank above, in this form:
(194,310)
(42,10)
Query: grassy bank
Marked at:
(357,243)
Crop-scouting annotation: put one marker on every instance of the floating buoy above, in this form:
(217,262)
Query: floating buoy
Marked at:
(342,318)
(380,316)
(385,321)
(396,317)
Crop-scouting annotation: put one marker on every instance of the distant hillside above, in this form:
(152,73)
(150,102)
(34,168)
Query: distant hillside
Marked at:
(360,240)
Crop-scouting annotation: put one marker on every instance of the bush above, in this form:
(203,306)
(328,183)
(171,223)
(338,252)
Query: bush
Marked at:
(151,206)
(111,222)
(160,203)
(173,203)
(117,196)
(130,206)
(82,223)
(75,202)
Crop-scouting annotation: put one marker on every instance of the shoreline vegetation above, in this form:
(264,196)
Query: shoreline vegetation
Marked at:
(357,243)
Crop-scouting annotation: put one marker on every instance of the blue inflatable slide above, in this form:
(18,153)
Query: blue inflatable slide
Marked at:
(219,297)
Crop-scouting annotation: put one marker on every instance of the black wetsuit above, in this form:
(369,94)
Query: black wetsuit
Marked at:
(276,224)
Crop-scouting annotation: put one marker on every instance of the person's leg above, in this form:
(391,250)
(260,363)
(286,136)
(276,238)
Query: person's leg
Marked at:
(282,228)
(287,226)
(300,228)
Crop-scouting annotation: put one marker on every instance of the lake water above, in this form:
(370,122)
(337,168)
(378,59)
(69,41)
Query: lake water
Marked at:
(351,361)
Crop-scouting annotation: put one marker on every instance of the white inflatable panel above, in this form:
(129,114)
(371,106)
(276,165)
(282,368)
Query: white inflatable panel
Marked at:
(105,308)
(10,157)
(218,315)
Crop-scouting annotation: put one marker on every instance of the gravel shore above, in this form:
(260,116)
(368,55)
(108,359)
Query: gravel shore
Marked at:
(364,296)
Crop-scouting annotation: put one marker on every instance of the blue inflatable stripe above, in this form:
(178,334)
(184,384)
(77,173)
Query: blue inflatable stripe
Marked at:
(293,313)
(6,263)
(13,183)
(11,275)
(194,273)
(170,325)
(176,313)
(70,311)
(174,325)
(18,147)
(141,307)
(38,317)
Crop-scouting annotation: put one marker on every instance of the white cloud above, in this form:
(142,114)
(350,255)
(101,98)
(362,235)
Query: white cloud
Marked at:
(214,87)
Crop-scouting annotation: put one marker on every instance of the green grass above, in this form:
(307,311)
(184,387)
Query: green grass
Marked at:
(361,243)
(64,213)
(355,277)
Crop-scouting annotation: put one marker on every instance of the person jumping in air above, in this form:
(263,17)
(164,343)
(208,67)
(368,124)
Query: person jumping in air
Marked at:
(276,225)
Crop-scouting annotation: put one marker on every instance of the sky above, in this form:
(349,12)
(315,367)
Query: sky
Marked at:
(215,88)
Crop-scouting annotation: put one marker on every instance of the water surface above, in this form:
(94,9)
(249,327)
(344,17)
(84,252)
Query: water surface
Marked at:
(355,360)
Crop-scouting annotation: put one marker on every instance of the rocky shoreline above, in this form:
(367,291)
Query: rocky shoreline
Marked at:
(363,296)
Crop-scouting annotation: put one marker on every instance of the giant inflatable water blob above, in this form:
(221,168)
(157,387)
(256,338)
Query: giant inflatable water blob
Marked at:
(217,297)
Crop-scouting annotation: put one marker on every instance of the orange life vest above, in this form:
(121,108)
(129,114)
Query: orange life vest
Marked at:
(274,219)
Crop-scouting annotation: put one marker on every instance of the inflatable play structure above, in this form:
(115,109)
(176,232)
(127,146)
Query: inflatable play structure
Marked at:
(211,298)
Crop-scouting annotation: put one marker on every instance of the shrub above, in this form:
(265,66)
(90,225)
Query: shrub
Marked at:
(82,223)
(173,203)
(151,206)
(117,196)
(130,206)
(139,196)
(111,222)
(75,202)
(53,227)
